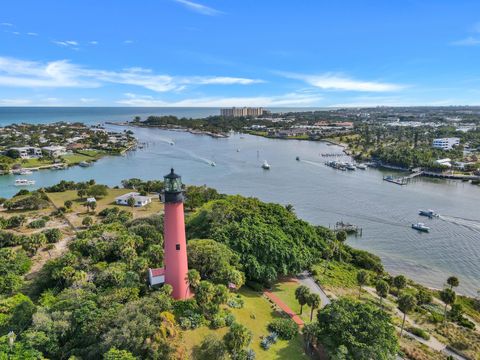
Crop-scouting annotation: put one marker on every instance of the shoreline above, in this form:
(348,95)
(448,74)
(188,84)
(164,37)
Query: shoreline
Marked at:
(170,128)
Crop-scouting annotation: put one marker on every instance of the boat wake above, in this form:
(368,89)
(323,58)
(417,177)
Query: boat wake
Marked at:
(166,140)
(468,223)
(313,163)
(197,157)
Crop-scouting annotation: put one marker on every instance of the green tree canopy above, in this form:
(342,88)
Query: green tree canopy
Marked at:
(363,329)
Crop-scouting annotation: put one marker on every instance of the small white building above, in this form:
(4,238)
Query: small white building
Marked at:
(156,276)
(445,143)
(139,199)
(55,151)
(444,162)
(91,200)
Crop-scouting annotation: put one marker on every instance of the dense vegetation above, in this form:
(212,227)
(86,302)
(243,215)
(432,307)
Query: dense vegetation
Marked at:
(352,330)
(269,240)
(214,124)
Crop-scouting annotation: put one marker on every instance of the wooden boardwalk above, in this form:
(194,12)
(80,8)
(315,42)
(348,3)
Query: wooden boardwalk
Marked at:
(284,307)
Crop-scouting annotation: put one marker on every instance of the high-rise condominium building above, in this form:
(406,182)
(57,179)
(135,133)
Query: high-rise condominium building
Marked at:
(242,111)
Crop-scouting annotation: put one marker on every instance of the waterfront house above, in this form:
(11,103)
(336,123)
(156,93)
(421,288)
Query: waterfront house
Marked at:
(28,152)
(55,150)
(445,143)
(139,199)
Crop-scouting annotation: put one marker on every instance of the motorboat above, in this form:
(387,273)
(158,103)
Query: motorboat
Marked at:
(22,172)
(420,227)
(265,165)
(362,166)
(84,164)
(213,164)
(297,158)
(350,166)
(24,182)
(428,213)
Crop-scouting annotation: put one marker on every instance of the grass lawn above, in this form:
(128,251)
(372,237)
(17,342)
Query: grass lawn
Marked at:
(79,210)
(338,275)
(255,315)
(285,290)
(33,163)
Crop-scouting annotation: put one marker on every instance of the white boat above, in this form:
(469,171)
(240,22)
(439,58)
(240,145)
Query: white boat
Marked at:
(362,166)
(350,166)
(25,172)
(213,163)
(428,213)
(420,227)
(24,182)
(265,165)
(84,164)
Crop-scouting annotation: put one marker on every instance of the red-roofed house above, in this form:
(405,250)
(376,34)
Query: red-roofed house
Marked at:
(156,276)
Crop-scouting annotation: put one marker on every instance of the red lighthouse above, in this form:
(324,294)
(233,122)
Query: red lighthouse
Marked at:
(175,244)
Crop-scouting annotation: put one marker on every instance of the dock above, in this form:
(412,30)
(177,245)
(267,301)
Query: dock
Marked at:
(402,180)
(348,228)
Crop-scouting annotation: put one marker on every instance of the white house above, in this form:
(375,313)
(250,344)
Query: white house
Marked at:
(28,152)
(55,151)
(156,276)
(91,200)
(139,199)
(445,143)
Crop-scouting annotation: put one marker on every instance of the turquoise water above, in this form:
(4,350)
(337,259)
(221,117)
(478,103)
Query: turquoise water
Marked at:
(319,194)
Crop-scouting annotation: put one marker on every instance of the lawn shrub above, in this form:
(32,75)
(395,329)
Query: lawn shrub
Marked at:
(285,328)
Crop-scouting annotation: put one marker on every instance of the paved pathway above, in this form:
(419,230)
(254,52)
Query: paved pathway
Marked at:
(284,307)
(432,343)
(305,279)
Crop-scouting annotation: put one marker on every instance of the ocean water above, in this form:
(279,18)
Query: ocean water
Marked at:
(319,194)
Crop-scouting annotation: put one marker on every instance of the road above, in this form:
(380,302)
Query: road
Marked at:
(304,278)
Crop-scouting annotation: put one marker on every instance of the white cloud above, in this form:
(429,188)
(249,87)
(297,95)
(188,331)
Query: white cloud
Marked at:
(15,102)
(87,100)
(6,24)
(66,43)
(32,34)
(128,42)
(287,100)
(62,73)
(334,81)
(93,42)
(199,8)
(469,41)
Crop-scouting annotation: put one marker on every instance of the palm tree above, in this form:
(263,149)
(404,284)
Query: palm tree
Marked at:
(314,301)
(362,279)
(382,288)
(453,282)
(301,294)
(406,303)
(448,296)
(327,255)
(341,237)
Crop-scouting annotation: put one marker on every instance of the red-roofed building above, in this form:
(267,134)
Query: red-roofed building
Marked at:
(156,276)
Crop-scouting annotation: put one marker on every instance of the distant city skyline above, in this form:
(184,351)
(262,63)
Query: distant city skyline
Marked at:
(212,53)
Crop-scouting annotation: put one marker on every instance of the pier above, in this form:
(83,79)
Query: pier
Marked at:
(348,228)
(402,180)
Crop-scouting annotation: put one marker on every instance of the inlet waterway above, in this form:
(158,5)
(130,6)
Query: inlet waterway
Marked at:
(319,194)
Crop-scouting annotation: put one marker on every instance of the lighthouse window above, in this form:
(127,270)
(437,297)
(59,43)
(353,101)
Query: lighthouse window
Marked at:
(177,246)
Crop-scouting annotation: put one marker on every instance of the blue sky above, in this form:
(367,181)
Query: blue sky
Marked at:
(239,52)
